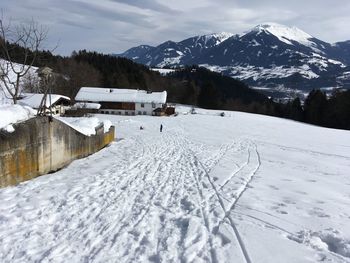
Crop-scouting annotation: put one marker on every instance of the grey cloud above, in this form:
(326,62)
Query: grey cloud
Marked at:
(116,25)
(148,4)
(98,13)
(74,24)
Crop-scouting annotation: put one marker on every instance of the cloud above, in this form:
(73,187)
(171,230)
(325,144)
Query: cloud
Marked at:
(148,4)
(112,26)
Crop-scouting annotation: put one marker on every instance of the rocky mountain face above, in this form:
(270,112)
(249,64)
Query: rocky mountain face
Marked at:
(270,57)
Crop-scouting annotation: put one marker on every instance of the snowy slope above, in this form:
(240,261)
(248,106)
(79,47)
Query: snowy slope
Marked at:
(5,98)
(285,34)
(239,188)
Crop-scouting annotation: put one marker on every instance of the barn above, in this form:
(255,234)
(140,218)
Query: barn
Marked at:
(58,103)
(124,101)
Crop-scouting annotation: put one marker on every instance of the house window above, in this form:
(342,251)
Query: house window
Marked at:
(142,105)
(139,113)
(126,113)
(144,113)
(153,105)
(132,113)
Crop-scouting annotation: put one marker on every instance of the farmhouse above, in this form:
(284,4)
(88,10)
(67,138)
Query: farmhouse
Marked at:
(59,103)
(124,101)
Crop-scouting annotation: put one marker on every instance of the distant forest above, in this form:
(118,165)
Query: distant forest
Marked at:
(191,85)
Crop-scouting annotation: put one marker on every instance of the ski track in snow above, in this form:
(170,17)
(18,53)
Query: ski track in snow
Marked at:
(156,199)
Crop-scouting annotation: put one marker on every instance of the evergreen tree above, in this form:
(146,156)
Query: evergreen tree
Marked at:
(315,107)
(209,97)
(295,110)
(338,111)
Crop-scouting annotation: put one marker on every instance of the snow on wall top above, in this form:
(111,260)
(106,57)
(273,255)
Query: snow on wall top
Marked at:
(11,114)
(85,125)
(285,33)
(33,100)
(120,95)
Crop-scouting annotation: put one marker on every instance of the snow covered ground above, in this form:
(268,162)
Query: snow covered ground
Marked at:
(239,188)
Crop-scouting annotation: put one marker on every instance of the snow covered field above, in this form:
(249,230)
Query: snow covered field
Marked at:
(239,188)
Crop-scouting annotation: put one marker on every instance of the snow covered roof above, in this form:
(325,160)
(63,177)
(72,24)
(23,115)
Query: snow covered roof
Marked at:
(119,95)
(33,100)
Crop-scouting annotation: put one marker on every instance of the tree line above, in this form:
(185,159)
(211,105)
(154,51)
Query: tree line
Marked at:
(211,90)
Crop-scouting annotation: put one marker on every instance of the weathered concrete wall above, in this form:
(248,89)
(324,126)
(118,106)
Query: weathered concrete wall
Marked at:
(39,146)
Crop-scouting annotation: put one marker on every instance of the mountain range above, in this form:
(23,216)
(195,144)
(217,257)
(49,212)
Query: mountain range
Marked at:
(270,57)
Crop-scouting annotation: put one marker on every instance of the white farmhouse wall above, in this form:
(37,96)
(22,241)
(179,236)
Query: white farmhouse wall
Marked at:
(147,108)
(117,112)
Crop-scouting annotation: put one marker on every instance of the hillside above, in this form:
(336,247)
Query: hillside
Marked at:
(207,189)
(94,69)
(124,73)
(190,85)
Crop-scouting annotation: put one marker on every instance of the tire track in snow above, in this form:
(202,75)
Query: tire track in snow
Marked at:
(169,186)
(105,229)
(206,219)
(238,196)
(216,193)
(142,208)
(236,172)
(238,236)
(250,178)
(201,198)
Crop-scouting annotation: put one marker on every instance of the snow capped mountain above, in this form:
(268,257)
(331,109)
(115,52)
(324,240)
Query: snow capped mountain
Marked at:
(136,52)
(218,38)
(172,53)
(269,55)
(285,34)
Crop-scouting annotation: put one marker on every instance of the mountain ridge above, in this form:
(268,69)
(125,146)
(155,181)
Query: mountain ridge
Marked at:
(268,55)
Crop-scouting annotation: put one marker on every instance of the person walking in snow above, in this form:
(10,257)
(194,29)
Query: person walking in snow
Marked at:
(161,127)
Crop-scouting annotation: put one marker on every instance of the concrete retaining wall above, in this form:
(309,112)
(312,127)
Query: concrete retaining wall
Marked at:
(42,145)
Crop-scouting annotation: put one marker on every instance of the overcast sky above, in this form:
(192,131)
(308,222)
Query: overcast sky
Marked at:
(113,26)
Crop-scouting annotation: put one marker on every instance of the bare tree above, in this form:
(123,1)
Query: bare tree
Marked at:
(30,37)
(31,83)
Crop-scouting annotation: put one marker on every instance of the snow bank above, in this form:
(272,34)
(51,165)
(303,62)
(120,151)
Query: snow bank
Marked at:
(10,114)
(85,125)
